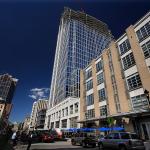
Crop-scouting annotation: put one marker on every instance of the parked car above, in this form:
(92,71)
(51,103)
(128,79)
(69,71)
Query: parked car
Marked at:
(84,139)
(121,141)
(57,133)
(47,137)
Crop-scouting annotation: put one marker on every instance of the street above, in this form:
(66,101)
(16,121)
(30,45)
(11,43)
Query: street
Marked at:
(58,145)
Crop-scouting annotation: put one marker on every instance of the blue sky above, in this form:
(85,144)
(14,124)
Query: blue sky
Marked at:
(28,36)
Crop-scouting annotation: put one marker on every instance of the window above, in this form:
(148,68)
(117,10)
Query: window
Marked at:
(66,111)
(143,32)
(116,135)
(125,136)
(146,49)
(128,61)
(89,85)
(73,122)
(64,123)
(103,110)
(71,109)
(139,102)
(134,82)
(88,74)
(60,114)
(90,100)
(99,66)
(101,94)
(124,47)
(100,78)
(90,113)
(76,107)
(63,114)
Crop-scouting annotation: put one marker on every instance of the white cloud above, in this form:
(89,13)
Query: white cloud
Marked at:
(39,93)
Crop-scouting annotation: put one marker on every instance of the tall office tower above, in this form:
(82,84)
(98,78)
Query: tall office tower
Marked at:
(81,38)
(7,88)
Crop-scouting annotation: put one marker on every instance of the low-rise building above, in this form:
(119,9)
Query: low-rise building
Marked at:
(116,84)
(64,115)
(38,114)
(26,123)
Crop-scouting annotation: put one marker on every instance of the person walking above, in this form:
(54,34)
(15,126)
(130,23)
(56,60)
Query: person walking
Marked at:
(14,138)
(29,141)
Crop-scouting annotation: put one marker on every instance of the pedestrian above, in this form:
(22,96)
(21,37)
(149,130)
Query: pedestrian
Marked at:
(29,140)
(14,138)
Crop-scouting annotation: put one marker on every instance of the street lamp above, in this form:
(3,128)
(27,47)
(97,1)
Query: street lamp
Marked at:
(146,92)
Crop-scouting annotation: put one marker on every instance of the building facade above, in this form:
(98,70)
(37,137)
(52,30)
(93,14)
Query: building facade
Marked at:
(81,38)
(38,114)
(64,115)
(33,116)
(116,84)
(26,123)
(7,89)
(42,105)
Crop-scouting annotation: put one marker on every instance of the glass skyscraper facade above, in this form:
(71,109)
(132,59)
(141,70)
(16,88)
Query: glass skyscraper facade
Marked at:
(81,38)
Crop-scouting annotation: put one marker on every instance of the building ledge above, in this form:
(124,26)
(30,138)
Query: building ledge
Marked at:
(142,112)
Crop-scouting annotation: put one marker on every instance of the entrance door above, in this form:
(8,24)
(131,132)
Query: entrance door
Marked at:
(146,129)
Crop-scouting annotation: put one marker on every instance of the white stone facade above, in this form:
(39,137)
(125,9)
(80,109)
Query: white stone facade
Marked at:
(64,115)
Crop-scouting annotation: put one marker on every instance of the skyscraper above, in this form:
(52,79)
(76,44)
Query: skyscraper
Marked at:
(81,38)
(7,88)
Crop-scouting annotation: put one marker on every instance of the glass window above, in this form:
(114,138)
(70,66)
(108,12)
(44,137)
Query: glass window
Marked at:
(116,135)
(100,78)
(125,136)
(76,107)
(63,113)
(124,47)
(66,111)
(64,123)
(71,109)
(139,102)
(146,49)
(134,82)
(88,74)
(134,136)
(90,113)
(89,85)
(90,100)
(143,32)
(99,66)
(102,95)
(128,61)
(103,110)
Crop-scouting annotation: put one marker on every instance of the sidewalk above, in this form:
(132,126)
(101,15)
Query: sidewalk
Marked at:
(147,145)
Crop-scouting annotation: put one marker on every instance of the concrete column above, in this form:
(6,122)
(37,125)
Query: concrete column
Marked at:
(82,96)
(96,97)
(121,88)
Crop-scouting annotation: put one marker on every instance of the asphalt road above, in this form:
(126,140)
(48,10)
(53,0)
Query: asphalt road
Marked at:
(58,145)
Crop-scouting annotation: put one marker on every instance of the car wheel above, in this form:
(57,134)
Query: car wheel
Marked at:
(73,143)
(101,147)
(84,144)
(122,148)
(94,145)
